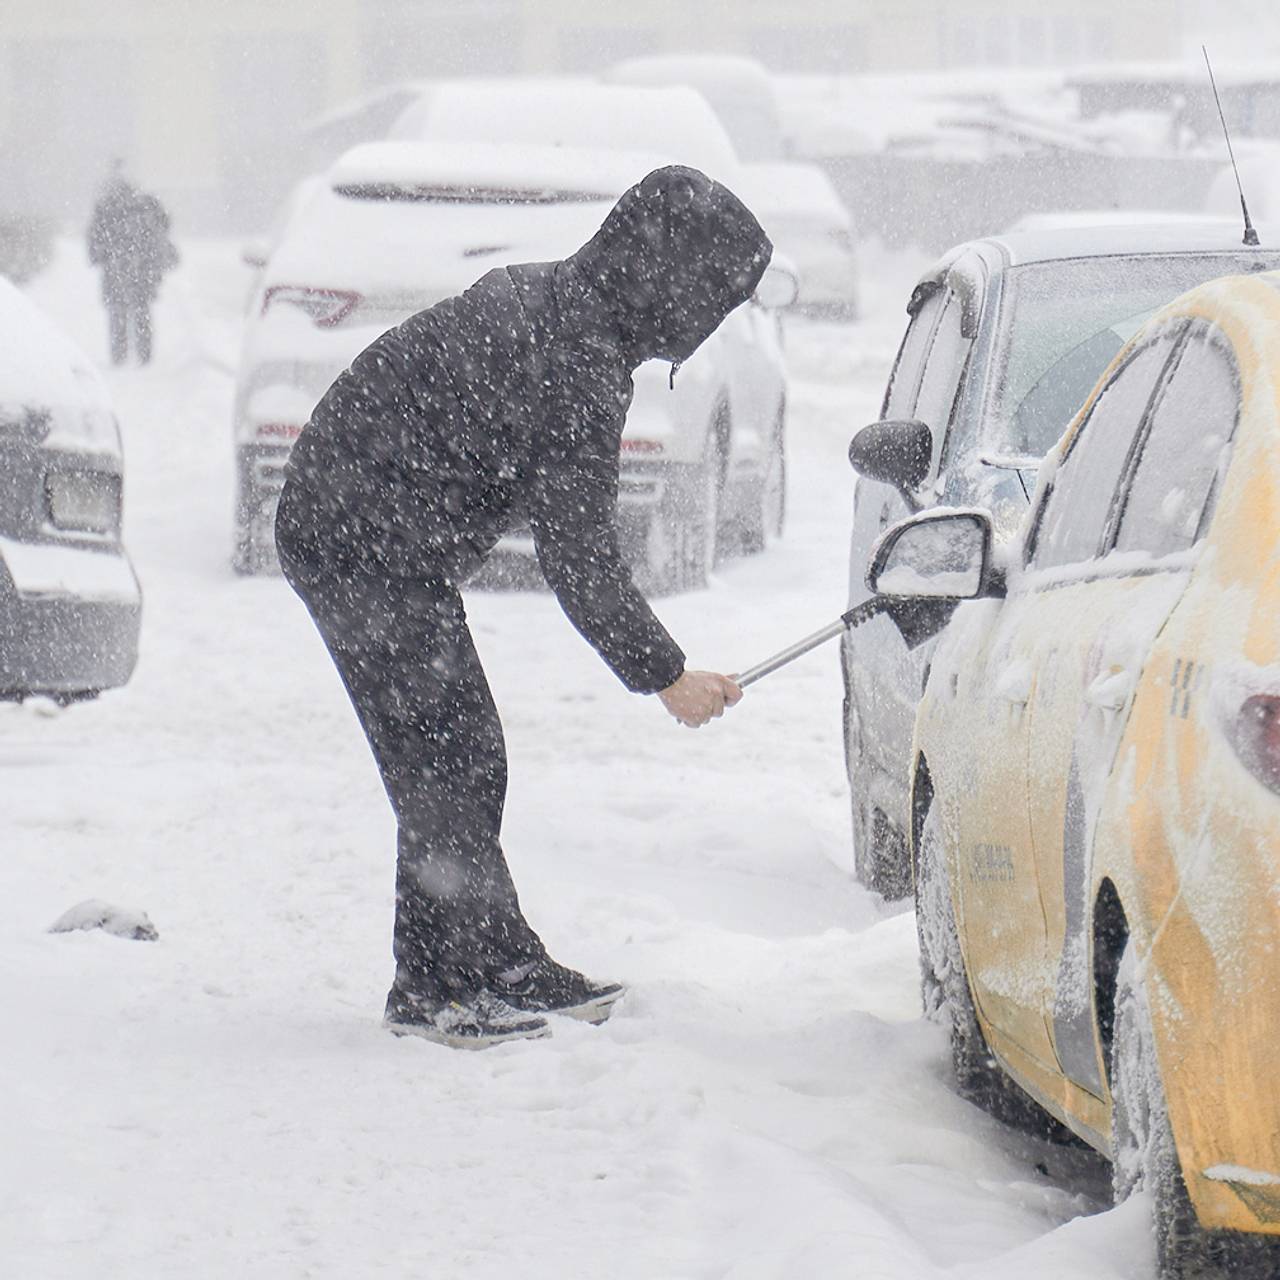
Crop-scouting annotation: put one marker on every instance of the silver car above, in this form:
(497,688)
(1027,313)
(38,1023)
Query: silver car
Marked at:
(1006,338)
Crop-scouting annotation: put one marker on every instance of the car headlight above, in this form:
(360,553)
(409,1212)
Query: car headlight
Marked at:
(84,501)
(24,424)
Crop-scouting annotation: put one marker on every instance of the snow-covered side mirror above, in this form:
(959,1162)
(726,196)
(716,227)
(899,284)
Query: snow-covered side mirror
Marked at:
(779,287)
(939,555)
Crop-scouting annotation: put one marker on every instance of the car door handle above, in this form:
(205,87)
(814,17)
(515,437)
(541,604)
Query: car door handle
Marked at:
(1014,684)
(1109,691)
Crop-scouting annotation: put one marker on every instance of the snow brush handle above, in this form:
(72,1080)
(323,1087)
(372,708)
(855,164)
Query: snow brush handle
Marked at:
(854,618)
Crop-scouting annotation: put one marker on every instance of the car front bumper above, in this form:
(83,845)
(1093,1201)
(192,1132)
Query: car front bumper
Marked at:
(69,619)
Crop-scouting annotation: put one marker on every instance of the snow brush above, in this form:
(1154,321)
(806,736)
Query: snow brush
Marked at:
(917,619)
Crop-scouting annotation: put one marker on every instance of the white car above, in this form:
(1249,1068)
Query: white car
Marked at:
(739,90)
(809,223)
(70,606)
(396,226)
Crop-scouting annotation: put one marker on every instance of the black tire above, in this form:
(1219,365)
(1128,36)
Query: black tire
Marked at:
(768,514)
(704,546)
(881,861)
(1146,1156)
(945,995)
(657,555)
(680,543)
(253,552)
(69,697)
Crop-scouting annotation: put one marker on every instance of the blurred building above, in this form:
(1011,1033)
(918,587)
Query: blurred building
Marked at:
(207,103)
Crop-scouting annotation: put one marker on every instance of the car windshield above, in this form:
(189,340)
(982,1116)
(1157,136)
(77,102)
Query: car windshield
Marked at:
(1062,323)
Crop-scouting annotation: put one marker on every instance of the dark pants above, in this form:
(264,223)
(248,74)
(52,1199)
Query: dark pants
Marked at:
(407,659)
(123,317)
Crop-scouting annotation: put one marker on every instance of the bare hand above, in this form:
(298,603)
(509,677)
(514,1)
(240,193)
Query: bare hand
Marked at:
(699,696)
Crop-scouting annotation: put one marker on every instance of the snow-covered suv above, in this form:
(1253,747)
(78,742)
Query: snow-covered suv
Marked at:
(1006,338)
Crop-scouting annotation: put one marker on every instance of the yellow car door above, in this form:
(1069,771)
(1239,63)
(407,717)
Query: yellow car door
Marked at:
(981,777)
(1176,400)
(1000,900)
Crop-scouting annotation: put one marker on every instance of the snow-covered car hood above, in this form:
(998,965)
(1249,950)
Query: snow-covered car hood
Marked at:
(46,379)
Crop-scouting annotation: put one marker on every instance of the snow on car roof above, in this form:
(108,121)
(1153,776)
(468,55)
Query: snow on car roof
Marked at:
(692,68)
(785,188)
(464,167)
(673,121)
(1021,247)
(1187,72)
(39,365)
(739,89)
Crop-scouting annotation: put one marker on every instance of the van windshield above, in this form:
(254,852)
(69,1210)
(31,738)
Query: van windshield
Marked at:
(1062,323)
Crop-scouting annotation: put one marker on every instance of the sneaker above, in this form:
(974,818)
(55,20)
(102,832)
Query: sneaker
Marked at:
(543,986)
(475,1022)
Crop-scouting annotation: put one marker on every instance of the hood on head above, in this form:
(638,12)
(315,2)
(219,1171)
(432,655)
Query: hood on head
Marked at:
(676,254)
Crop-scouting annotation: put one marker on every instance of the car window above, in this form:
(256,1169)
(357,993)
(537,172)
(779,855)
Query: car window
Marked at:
(1075,515)
(904,382)
(1170,496)
(943,367)
(1063,320)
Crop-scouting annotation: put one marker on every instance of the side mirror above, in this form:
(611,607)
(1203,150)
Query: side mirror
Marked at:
(898,452)
(937,555)
(779,287)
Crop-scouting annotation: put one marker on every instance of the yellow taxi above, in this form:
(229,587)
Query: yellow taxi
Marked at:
(1096,780)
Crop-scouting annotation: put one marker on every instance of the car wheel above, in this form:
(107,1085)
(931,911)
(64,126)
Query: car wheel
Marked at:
(697,521)
(1145,1156)
(945,995)
(67,698)
(659,552)
(765,522)
(254,550)
(880,859)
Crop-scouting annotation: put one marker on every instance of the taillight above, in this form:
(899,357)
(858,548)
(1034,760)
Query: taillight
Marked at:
(641,446)
(326,307)
(278,431)
(1257,738)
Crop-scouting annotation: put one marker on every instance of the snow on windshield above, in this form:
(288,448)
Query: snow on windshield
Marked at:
(1064,321)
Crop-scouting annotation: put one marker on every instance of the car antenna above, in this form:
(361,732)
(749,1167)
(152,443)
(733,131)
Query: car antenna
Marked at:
(1250,235)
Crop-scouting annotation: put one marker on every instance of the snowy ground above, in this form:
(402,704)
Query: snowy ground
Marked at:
(766,1103)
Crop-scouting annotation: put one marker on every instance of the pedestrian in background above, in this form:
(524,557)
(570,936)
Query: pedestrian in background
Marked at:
(129,243)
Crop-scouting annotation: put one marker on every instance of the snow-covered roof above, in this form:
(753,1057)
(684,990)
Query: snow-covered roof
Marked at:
(739,90)
(726,69)
(673,121)
(465,167)
(789,189)
(1190,72)
(1209,236)
(40,366)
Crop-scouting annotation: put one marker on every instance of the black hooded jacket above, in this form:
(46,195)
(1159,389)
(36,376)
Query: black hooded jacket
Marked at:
(508,402)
